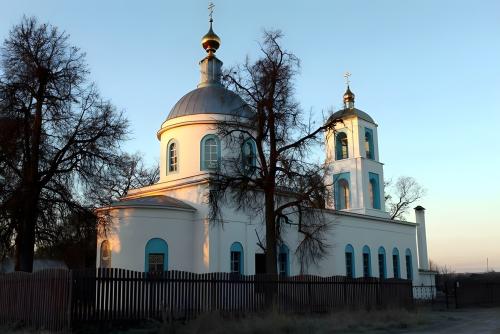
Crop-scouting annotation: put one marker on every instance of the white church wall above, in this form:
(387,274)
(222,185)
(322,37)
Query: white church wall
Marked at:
(345,229)
(373,233)
(134,227)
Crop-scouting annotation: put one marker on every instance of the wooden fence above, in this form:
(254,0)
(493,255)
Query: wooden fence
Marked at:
(118,294)
(39,300)
(57,299)
(469,292)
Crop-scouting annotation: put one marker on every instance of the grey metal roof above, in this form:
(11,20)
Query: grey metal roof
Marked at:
(346,113)
(213,99)
(154,201)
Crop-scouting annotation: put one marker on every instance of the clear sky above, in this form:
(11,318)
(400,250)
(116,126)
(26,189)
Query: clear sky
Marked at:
(427,71)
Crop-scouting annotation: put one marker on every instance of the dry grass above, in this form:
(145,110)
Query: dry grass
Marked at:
(339,322)
(19,329)
(273,322)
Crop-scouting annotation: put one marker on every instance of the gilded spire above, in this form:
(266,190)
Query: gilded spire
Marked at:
(210,42)
(348,95)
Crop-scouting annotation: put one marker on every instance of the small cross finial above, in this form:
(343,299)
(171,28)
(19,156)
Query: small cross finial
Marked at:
(347,76)
(211,7)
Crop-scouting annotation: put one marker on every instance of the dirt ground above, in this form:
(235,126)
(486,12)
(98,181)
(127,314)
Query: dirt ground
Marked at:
(462,321)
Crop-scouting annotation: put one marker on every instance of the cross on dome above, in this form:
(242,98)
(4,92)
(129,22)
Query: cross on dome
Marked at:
(210,42)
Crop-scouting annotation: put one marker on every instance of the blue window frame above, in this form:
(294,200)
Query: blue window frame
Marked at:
(156,255)
(210,153)
(367,262)
(341,146)
(342,194)
(369,147)
(249,156)
(409,267)
(172,156)
(349,261)
(283,260)
(236,258)
(382,268)
(395,263)
(374,190)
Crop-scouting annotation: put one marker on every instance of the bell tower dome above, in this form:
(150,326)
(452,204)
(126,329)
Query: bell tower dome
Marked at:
(353,154)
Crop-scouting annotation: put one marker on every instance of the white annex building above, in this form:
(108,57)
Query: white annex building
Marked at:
(165,226)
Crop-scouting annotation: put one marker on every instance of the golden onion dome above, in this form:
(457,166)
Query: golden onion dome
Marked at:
(348,96)
(210,41)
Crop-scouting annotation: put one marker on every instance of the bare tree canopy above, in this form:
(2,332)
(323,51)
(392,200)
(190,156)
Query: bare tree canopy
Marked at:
(401,195)
(129,172)
(271,178)
(59,138)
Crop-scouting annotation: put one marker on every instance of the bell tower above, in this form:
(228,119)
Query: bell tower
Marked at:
(352,153)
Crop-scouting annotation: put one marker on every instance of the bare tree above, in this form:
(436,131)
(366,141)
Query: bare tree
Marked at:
(66,135)
(274,181)
(128,172)
(402,195)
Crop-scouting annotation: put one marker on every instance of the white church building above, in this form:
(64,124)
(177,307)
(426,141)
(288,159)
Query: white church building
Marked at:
(166,226)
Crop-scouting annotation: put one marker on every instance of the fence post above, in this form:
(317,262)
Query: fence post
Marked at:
(70,297)
(378,287)
(446,292)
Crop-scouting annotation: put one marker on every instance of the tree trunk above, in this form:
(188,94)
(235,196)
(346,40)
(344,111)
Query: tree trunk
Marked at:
(271,260)
(27,213)
(271,244)
(25,239)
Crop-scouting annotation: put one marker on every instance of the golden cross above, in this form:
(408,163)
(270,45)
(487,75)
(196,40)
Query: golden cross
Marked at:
(211,7)
(346,76)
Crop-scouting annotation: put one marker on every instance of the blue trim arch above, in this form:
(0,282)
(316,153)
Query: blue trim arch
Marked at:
(341,146)
(340,181)
(409,264)
(382,266)
(375,190)
(284,260)
(350,263)
(396,263)
(369,146)
(205,162)
(367,262)
(249,156)
(235,249)
(156,246)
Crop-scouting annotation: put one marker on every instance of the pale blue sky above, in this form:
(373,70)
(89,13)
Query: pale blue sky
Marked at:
(428,72)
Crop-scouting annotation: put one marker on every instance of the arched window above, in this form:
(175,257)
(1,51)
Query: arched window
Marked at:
(341,146)
(283,260)
(409,267)
(249,156)
(367,263)
(105,254)
(172,156)
(382,270)
(236,258)
(156,256)
(210,153)
(369,149)
(395,263)
(342,194)
(374,190)
(349,261)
